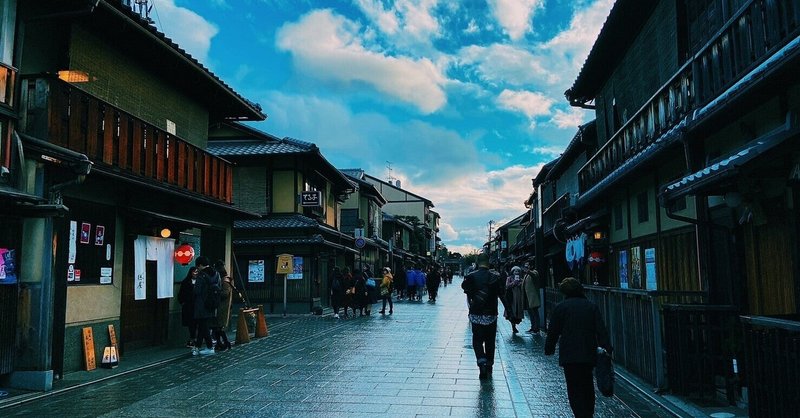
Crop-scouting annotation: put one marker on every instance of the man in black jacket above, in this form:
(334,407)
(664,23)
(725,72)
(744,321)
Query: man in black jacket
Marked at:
(206,279)
(483,289)
(578,324)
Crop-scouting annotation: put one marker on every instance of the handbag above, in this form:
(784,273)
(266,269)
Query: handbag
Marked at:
(384,291)
(604,373)
(371,282)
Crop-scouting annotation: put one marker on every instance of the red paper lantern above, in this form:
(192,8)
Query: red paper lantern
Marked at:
(184,254)
(596,259)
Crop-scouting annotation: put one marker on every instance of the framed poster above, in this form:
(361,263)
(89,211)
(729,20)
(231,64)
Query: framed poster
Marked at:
(255,271)
(636,267)
(86,230)
(297,269)
(623,269)
(650,268)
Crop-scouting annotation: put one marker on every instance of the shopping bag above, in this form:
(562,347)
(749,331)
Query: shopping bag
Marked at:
(604,373)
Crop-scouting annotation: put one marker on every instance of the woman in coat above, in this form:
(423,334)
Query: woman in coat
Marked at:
(361,297)
(186,299)
(515,298)
(386,290)
(220,321)
(531,288)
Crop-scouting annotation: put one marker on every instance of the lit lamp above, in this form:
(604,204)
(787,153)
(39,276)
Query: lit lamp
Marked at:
(598,235)
(73,76)
(166,233)
(184,254)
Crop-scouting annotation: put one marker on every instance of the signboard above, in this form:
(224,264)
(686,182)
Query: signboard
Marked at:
(623,269)
(650,268)
(361,242)
(311,199)
(255,271)
(297,269)
(636,267)
(284,264)
(88,349)
(358,233)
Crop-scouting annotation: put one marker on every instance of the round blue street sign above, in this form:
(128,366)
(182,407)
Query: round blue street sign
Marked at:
(360,242)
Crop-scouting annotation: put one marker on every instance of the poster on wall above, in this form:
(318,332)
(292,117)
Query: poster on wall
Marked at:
(297,269)
(105,275)
(636,267)
(255,271)
(650,268)
(623,269)
(73,242)
(8,266)
(99,235)
(86,230)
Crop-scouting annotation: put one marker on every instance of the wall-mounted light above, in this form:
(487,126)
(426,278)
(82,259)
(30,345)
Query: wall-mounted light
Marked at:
(166,233)
(598,235)
(73,76)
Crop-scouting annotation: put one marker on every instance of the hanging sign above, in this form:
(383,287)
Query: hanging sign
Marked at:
(184,254)
(311,198)
(284,264)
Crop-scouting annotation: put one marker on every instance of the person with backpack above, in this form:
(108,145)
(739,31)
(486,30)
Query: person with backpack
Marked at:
(207,294)
(220,321)
(483,288)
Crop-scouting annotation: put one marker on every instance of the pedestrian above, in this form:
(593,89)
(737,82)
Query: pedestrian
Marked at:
(337,291)
(360,299)
(411,283)
(433,280)
(372,290)
(221,320)
(530,284)
(578,328)
(400,283)
(515,298)
(386,290)
(186,299)
(349,291)
(206,279)
(483,288)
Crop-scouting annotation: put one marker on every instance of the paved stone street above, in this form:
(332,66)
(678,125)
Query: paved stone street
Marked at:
(416,362)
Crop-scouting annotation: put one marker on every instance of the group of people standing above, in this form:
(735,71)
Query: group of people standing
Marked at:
(205,296)
(576,325)
(358,291)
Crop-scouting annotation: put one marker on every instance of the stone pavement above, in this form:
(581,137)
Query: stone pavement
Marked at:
(416,362)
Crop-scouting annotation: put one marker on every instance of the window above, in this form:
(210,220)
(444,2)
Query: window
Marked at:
(643,206)
(349,220)
(618,216)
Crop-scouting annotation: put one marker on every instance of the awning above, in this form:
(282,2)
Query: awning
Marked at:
(312,240)
(167,218)
(714,175)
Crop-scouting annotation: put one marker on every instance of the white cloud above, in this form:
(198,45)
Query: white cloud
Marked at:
(547,151)
(188,29)
(508,64)
(327,46)
(409,24)
(515,16)
(447,232)
(531,104)
(472,27)
(570,119)
(568,49)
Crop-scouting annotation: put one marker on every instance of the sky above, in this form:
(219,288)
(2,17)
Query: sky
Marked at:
(462,101)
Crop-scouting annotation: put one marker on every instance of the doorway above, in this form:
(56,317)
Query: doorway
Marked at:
(143,323)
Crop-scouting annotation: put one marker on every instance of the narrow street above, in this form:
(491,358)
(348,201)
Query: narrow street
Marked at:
(416,362)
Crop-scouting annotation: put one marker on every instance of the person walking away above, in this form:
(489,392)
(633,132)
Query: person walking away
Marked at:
(361,296)
(186,299)
(411,287)
(400,283)
(483,289)
(530,285)
(433,281)
(386,290)
(515,298)
(349,291)
(206,279)
(337,291)
(221,320)
(578,328)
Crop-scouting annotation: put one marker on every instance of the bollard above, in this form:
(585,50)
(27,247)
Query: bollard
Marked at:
(262,330)
(242,333)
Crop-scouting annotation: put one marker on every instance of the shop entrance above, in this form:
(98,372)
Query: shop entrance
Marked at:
(143,323)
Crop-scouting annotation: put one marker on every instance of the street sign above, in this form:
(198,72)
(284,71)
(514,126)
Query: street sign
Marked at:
(311,198)
(361,242)
(285,264)
(358,233)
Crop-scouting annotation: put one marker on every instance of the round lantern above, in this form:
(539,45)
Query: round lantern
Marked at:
(596,259)
(184,254)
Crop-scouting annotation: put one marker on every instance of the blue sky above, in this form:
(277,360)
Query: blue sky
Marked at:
(461,101)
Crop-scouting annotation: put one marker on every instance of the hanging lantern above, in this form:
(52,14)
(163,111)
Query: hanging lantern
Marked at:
(184,254)
(596,259)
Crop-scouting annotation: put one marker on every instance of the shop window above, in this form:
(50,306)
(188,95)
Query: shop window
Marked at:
(88,240)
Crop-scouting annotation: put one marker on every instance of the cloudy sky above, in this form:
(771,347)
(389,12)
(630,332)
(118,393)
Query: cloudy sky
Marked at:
(462,101)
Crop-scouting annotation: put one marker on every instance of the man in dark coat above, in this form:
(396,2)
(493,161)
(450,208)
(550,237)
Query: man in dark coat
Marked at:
(483,288)
(577,326)
(206,279)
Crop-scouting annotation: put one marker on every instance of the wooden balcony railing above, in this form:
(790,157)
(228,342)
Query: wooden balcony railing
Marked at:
(553,212)
(754,33)
(113,139)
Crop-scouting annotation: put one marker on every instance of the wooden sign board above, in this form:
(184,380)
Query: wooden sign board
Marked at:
(285,262)
(112,338)
(88,349)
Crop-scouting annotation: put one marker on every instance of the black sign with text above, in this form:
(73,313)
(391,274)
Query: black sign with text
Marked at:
(311,199)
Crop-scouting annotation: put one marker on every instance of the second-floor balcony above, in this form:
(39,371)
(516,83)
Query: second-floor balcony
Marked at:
(119,143)
(758,31)
(553,213)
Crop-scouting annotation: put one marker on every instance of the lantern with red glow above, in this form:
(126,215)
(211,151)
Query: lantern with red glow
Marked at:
(596,259)
(184,254)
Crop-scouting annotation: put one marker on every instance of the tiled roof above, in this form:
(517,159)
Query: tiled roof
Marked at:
(251,147)
(277,222)
(353,172)
(316,239)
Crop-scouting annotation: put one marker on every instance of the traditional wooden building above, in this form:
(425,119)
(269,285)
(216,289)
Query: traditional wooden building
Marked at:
(361,211)
(398,234)
(299,195)
(113,140)
(697,120)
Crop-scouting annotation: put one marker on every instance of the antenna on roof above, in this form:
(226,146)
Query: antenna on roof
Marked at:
(389,177)
(142,8)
